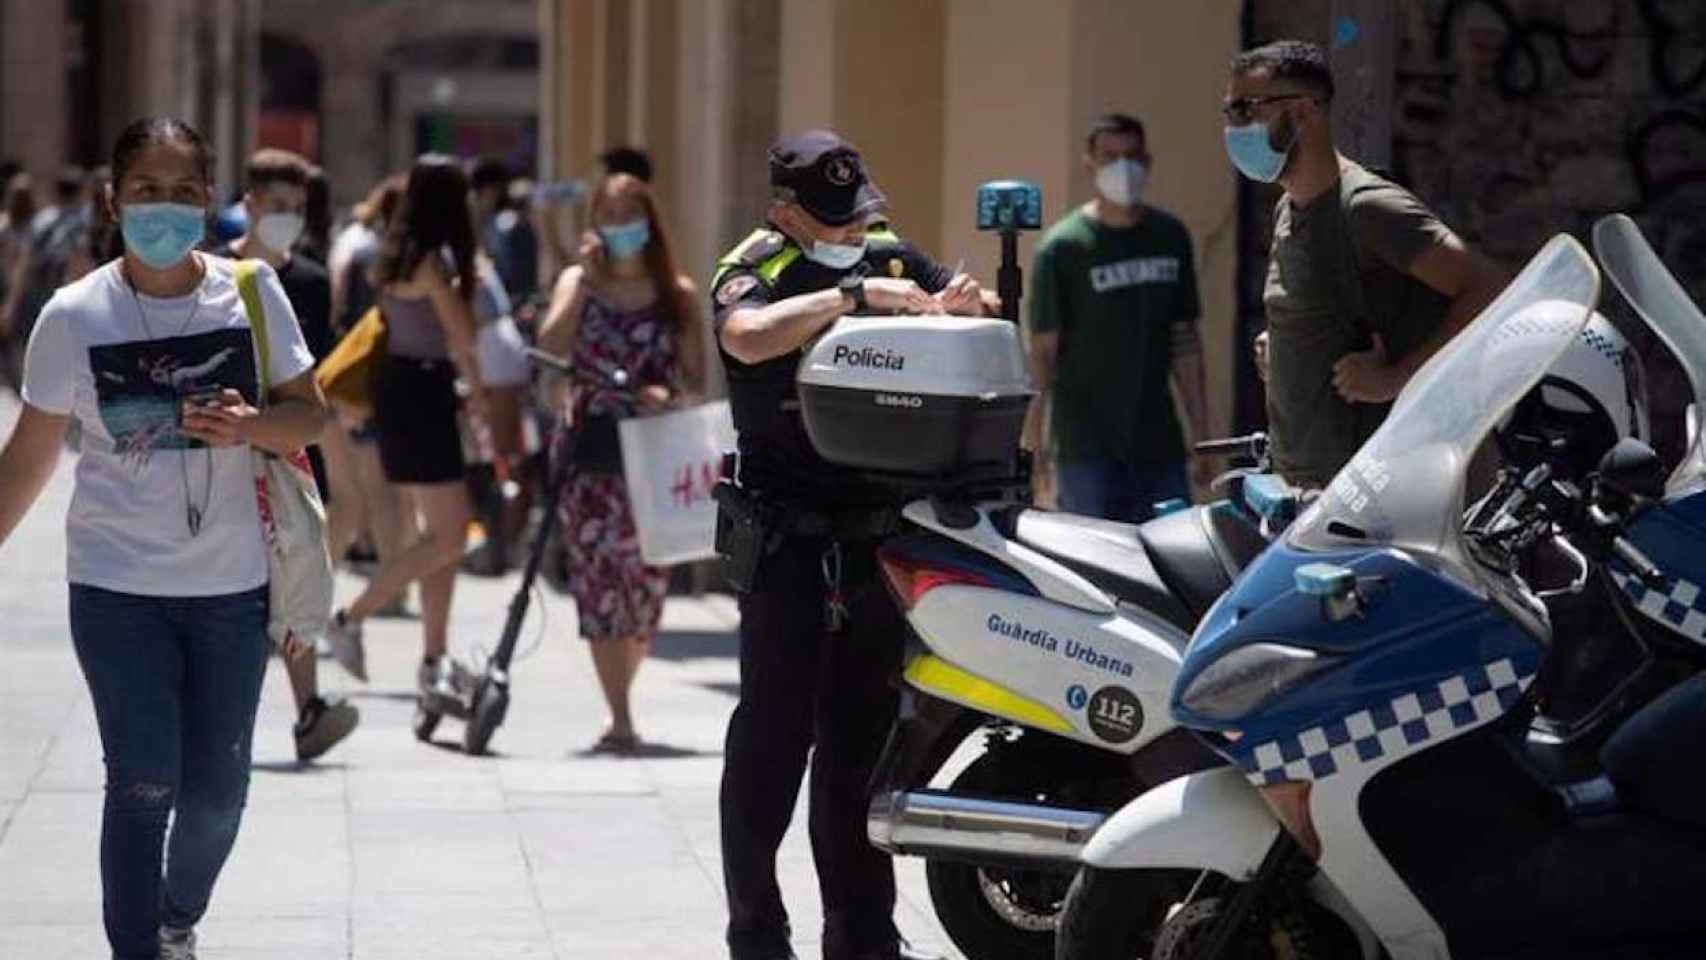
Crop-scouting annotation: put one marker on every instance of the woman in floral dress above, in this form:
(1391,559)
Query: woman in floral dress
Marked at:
(625,306)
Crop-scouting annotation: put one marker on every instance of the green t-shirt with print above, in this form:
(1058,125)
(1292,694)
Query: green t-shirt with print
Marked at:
(1114,295)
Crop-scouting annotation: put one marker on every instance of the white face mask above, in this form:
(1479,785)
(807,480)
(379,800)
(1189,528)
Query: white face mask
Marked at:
(279,232)
(1121,182)
(837,256)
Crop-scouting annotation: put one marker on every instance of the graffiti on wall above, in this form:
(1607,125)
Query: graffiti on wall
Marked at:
(1516,119)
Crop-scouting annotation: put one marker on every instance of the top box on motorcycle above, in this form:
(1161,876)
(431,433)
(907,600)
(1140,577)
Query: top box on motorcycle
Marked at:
(933,398)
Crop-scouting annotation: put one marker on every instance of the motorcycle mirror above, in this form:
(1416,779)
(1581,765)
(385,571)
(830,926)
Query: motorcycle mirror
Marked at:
(1633,469)
(1335,586)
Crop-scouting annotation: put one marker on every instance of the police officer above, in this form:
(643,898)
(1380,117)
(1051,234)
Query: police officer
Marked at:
(820,639)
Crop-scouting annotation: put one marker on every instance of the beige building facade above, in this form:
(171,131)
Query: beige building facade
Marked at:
(940,95)
(73,74)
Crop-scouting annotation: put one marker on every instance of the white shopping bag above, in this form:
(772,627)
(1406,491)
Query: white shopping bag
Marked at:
(671,463)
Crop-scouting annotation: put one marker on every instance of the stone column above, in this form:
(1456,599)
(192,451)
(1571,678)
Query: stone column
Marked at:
(33,126)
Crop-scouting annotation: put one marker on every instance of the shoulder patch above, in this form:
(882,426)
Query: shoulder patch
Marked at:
(897,269)
(735,288)
(760,247)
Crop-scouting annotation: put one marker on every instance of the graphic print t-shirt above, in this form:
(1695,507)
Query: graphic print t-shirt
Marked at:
(94,356)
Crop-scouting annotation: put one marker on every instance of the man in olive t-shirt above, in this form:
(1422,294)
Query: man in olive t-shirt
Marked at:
(1113,314)
(1364,283)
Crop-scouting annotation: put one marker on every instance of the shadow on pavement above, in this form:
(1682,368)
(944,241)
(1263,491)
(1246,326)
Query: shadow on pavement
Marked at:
(399,696)
(695,644)
(645,750)
(727,688)
(295,766)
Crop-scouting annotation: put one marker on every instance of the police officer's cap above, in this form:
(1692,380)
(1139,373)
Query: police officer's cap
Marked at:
(824,174)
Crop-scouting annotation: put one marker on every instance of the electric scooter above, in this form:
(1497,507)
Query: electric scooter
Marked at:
(1372,677)
(481,695)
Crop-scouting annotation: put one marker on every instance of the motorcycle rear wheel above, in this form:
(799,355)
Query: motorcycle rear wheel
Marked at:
(1001,913)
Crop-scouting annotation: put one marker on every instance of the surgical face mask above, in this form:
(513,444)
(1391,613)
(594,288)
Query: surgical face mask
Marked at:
(279,231)
(162,234)
(1121,182)
(836,256)
(625,240)
(1253,154)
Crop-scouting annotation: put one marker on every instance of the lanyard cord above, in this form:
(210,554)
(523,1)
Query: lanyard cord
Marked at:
(193,514)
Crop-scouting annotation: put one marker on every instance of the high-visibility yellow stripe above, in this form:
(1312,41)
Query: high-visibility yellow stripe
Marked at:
(773,267)
(937,676)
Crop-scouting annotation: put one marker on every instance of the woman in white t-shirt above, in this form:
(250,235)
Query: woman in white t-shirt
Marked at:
(152,355)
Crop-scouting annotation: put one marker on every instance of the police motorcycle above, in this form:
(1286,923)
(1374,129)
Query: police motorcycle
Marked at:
(1372,678)
(1044,642)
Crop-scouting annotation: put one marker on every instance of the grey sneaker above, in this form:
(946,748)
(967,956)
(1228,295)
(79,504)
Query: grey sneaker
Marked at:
(176,944)
(322,725)
(438,681)
(344,636)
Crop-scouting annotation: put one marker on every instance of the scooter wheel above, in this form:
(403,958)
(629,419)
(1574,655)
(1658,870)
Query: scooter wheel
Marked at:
(426,721)
(491,702)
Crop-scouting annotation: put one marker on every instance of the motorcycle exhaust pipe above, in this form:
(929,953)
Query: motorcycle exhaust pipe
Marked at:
(946,826)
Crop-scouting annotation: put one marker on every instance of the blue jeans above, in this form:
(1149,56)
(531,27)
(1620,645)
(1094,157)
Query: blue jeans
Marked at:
(1113,490)
(175,683)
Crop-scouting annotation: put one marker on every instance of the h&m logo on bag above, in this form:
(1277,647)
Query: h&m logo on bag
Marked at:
(693,482)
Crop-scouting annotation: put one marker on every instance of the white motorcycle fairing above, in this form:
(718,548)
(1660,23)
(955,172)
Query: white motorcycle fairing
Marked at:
(1098,678)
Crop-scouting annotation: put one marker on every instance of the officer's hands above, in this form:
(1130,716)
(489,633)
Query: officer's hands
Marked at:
(962,297)
(899,295)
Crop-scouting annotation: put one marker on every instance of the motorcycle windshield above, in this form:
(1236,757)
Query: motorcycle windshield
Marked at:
(1405,487)
(1660,300)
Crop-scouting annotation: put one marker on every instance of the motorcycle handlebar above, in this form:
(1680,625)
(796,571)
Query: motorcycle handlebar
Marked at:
(1638,563)
(1250,444)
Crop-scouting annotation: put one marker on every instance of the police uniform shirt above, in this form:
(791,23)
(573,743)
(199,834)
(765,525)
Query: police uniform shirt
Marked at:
(776,455)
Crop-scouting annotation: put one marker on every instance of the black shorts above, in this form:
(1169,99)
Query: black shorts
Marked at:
(414,411)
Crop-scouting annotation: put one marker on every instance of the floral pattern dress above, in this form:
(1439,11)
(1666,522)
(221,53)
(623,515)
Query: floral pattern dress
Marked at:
(616,593)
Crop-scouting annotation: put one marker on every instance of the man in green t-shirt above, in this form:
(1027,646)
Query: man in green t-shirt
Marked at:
(1113,337)
(1364,283)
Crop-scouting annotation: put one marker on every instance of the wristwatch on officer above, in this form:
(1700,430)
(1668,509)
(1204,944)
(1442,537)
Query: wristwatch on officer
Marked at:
(853,285)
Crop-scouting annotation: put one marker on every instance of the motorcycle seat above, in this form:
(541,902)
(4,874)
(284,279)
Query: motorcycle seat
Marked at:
(1199,552)
(1108,554)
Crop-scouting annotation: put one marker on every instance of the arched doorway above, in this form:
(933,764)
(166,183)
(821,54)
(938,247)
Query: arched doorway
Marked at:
(290,96)
(466,95)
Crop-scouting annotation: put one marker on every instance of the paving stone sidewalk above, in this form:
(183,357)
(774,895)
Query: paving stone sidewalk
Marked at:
(387,848)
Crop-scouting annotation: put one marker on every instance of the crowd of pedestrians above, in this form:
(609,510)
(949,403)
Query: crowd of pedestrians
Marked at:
(126,329)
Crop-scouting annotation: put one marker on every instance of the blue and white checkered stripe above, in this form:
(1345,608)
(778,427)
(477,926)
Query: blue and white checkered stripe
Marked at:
(1681,606)
(1390,729)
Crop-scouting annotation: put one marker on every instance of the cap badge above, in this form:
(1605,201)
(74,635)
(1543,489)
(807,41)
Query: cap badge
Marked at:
(841,170)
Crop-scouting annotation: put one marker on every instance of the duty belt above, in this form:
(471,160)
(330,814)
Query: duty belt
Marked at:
(860,524)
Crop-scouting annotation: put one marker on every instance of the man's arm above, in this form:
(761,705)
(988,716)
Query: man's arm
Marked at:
(1470,280)
(754,334)
(1391,224)
(1042,356)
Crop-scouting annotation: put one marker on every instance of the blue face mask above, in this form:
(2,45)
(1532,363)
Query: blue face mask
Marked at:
(625,240)
(162,234)
(836,256)
(1253,155)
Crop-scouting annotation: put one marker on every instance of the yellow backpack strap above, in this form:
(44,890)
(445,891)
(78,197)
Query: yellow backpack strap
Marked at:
(249,289)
